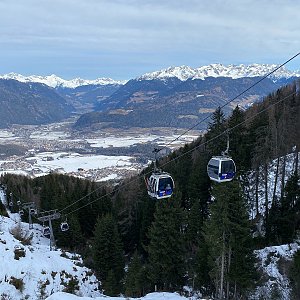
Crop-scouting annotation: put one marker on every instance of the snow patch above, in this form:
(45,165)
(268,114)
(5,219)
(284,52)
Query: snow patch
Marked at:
(269,263)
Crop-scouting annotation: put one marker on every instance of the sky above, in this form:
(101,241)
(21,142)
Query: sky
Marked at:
(123,39)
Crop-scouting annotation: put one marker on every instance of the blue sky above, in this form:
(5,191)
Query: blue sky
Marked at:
(123,39)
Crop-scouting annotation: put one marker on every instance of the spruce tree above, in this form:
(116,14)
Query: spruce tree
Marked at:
(229,242)
(215,128)
(239,147)
(290,205)
(133,279)
(107,251)
(111,284)
(166,248)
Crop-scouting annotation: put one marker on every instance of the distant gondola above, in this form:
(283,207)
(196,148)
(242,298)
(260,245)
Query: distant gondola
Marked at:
(221,169)
(46,231)
(160,185)
(64,226)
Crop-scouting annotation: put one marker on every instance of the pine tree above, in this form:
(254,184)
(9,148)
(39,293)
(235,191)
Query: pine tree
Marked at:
(229,242)
(166,248)
(290,205)
(107,250)
(239,147)
(215,128)
(111,285)
(133,280)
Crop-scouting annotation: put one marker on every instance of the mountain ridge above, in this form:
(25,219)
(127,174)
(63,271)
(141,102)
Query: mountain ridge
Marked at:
(182,73)
(56,81)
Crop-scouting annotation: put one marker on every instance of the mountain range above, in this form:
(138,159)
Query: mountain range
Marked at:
(175,96)
(183,73)
(55,81)
(182,96)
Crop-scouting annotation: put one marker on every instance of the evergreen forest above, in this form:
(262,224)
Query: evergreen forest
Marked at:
(204,236)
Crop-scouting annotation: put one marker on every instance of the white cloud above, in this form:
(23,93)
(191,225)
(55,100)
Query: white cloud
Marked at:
(159,32)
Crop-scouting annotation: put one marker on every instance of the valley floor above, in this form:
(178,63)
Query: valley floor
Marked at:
(98,155)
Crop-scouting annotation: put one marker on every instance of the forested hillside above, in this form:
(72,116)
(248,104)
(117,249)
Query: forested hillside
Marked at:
(205,235)
(30,103)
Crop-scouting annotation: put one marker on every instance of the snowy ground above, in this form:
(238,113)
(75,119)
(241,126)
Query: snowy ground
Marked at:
(54,148)
(41,270)
(126,141)
(271,264)
(152,296)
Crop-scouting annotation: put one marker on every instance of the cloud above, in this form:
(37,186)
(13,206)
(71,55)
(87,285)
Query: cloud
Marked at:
(157,32)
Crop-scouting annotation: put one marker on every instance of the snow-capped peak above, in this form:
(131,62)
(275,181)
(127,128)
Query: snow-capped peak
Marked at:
(55,81)
(219,70)
(183,73)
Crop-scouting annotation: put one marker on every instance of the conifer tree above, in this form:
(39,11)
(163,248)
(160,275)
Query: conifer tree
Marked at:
(111,284)
(215,128)
(133,279)
(166,248)
(107,250)
(239,146)
(71,238)
(290,205)
(196,256)
(229,242)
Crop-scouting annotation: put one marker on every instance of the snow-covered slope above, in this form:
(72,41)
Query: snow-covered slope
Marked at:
(40,271)
(34,272)
(219,70)
(55,81)
(271,262)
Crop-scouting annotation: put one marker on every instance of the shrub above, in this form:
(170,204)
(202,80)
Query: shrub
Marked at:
(42,289)
(23,236)
(19,252)
(5,296)
(71,286)
(18,283)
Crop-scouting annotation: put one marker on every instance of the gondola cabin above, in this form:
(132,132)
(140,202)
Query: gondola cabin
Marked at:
(33,211)
(64,226)
(221,169)
(46,232)
(160,185)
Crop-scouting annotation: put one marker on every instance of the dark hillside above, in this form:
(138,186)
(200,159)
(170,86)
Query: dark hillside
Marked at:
(30,103)
(88,94)
(173,103)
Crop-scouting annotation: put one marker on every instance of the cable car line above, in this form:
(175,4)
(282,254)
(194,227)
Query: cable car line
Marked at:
(201,121)
(230,129)
(186,131)
(185,153)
